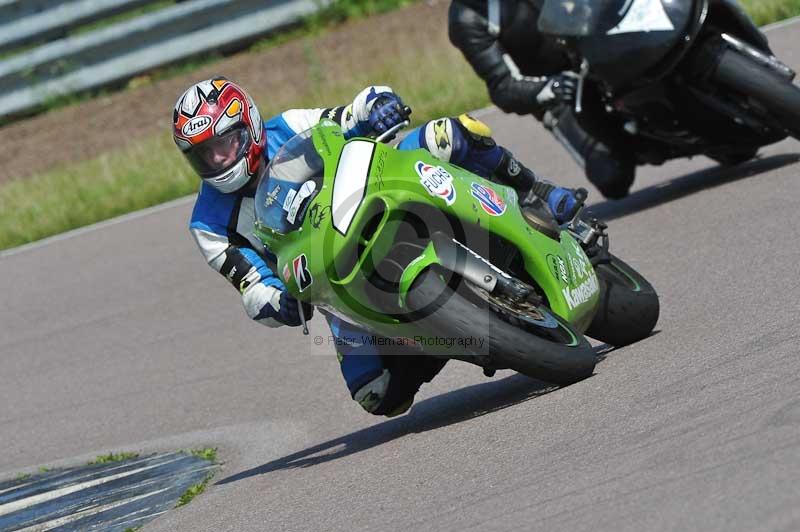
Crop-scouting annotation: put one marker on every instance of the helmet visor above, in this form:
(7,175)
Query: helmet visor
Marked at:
(218,154)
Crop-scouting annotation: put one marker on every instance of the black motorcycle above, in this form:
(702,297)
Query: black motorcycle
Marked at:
(681,77)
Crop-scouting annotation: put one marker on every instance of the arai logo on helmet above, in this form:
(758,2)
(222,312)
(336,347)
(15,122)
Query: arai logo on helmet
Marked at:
(437,181)
(196,125)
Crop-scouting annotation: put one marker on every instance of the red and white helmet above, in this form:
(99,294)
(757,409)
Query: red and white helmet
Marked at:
(217,127)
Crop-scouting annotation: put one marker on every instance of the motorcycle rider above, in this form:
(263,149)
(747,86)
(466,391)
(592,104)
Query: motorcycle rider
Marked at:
(218,128)
(527,72)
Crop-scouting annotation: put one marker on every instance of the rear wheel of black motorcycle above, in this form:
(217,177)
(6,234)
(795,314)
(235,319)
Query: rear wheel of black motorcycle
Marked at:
(526,338)
(778,95)
(629,308)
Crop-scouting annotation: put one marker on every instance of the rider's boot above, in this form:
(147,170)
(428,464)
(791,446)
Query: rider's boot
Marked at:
(611,171)
(563,202)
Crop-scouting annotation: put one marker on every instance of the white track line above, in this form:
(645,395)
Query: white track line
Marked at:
(54,494)
(781,24)
(186,199)
(61,521)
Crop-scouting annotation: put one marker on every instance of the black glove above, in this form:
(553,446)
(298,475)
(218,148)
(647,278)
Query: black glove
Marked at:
(290,311)
(559,89)
(287,311)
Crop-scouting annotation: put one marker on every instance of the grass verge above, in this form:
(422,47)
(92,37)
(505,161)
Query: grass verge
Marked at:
(210,454)
(150,172)
(113,457)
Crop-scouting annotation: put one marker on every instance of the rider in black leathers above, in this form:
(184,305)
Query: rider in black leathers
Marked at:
(528,72)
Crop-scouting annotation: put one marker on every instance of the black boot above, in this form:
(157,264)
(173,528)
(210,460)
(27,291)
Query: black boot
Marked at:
(612,172)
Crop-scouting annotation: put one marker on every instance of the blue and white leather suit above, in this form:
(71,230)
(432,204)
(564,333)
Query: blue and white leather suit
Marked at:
(222,225)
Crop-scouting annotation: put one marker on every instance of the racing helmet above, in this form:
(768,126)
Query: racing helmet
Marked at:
(218,128)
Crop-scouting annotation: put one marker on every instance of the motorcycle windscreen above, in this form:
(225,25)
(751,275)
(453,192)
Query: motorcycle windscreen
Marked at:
(291,179)
(582,18)
(579,18)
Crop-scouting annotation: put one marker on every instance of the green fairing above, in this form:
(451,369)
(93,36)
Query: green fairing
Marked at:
(560,268)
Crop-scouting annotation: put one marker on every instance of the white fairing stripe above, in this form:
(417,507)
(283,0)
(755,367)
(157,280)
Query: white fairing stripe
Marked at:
(644,16)
(350,182)
(212,246)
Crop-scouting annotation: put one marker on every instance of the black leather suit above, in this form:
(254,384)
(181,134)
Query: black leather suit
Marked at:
(499,38)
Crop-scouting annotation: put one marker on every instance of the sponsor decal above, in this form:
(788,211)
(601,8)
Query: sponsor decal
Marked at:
(287,201)
(380,168)
(231,273)
(301,274)
(196,125)
(558,267)
(581,270)
(317,214)
(440,134)
(437,181)
(582,293)
(579,264)
(286,273)
(514,167)
(271,196)
(305,191)
(490,200)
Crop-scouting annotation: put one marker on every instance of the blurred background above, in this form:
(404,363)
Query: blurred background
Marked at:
(87,86)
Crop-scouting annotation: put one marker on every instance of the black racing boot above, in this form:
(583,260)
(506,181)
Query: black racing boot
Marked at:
(612,172)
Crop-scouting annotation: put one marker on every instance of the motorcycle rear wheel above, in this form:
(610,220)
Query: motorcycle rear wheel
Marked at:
(527,338)
(779,96)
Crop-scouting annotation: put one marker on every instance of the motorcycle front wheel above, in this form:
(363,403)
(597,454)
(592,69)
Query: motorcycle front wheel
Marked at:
(629,307)
(522,336)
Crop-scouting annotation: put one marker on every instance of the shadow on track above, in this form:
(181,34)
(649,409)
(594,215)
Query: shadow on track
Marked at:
(674,189)
(433,413)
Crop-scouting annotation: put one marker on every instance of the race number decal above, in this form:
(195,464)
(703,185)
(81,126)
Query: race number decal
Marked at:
(301,274)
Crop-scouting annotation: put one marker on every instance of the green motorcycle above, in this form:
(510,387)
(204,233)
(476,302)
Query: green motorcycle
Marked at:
(423,253)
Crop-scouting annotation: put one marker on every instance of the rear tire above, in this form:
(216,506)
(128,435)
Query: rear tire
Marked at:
(629,308)
(735,158)
(557,354)
(778,95)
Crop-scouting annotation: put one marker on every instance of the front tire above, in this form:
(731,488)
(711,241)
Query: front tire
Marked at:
(629,307)
(551,351)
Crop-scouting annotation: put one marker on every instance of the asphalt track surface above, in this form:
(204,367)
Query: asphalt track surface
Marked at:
(121,338)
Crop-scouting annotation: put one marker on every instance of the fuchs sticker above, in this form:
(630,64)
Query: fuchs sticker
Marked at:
(437,181)
(301,274)
(286,273)
(196,125)
(490,200)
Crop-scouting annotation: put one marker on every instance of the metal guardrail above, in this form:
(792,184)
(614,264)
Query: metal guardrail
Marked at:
(59,16)
(125,49)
